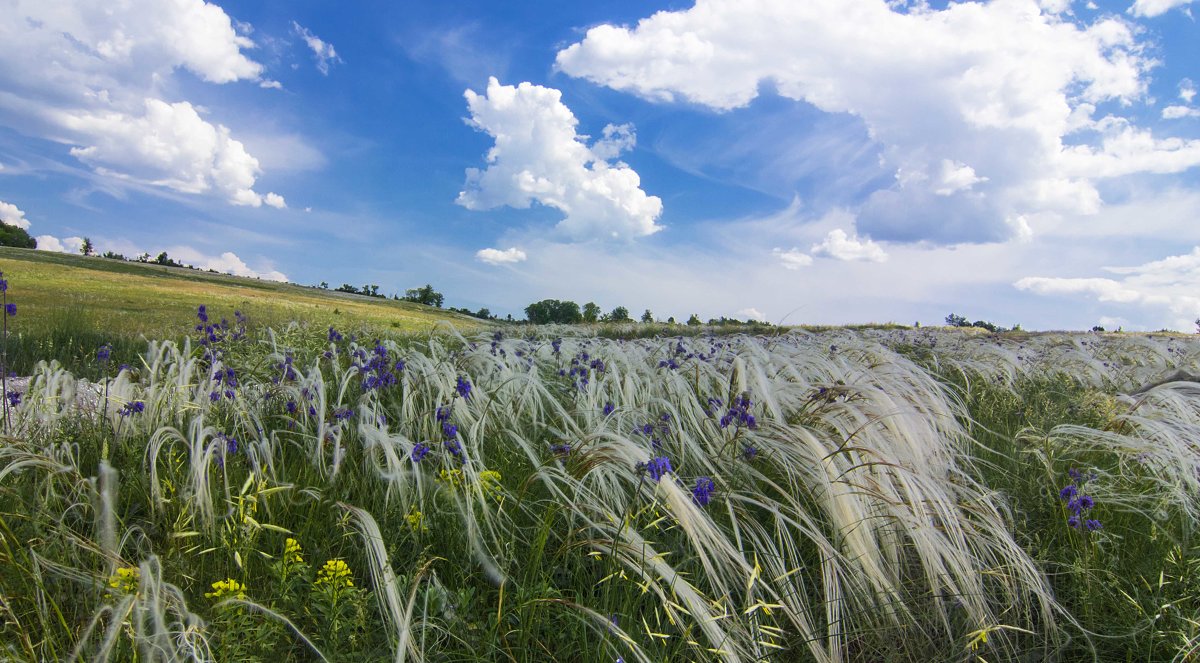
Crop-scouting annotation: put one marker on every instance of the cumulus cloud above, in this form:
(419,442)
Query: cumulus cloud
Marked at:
(1176,112)
(1151,8)
(1168,285)
(849,247)
(752,314)
(228,263)
(539,157)
(498,257)
(56,245)
(94,77)
(322,50)
(13,216)
(169,145)
(1187,90)
(793,258)
(985,111)
(275,200)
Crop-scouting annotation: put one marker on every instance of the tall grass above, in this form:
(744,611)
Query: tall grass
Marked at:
(878,495)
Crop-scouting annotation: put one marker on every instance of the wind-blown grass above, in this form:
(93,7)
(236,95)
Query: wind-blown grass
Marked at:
(877,495)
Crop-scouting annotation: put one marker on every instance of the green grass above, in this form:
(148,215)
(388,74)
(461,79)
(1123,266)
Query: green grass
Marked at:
(901,502)
(131,299)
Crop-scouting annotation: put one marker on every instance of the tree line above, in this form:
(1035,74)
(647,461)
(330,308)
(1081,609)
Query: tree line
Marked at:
(566,312)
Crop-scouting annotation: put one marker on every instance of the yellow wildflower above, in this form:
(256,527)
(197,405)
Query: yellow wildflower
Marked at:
(416,520)
(126,579)
(226,588)
(292,552)
(489,481)
(335,573)
(452,478)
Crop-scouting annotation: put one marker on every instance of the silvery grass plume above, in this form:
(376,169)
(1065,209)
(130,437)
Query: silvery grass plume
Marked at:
(843,497)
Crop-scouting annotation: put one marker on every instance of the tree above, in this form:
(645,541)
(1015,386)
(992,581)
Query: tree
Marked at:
(16,236)
(591,312)
(671,320)
(87,248)
(484,314)
(694,320)
(346,287)
(953,320)
(647,316)
(324,285)
(550,311)
(425,295)
(620,314)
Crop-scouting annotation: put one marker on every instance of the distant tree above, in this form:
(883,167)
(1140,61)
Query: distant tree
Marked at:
(671,320)
(483,314)
(620,314)
(346,287)
(1097,329)
(647,316)
(324,285)
(15,236)
(112,255)
(694,320)
(425,295)
(87,249)
(550,311)
(591,312)
(1198,325)
(953,320)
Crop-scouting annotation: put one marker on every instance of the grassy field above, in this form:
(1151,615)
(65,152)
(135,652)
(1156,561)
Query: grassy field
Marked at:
(875,494)
(131,298)
(91,301)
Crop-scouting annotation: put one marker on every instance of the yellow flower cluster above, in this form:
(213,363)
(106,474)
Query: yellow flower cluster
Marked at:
(416,520)
(226,588)
(335,573)
(126,579)
(292,552)
(453,478)
(489,481)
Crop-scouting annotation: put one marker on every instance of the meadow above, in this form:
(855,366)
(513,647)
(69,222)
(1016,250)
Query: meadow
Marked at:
(237,488)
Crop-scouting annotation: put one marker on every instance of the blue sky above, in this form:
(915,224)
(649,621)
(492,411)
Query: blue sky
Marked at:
(831,161)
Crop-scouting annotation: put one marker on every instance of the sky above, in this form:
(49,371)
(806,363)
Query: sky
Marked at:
(1031,162)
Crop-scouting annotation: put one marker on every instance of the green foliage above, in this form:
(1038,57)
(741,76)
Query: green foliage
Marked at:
(553,311)
(592,312)
(16,237)
(424,295)
(619,314)
(896,499)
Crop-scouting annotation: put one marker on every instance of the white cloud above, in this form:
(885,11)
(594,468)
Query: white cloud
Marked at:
(957,177)
(1187,90)
(752,314)
(13,216)
(841,246)
(1151,8)
(538,157)
(96,78)
(168,145)
(322,50)
(1168,285)
(65,245)
(275,200)
(1177,112)
(1002,89)
(498,257)
(229,263)
(793,258)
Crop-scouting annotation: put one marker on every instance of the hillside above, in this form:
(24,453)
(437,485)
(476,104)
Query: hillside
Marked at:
(131,298)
